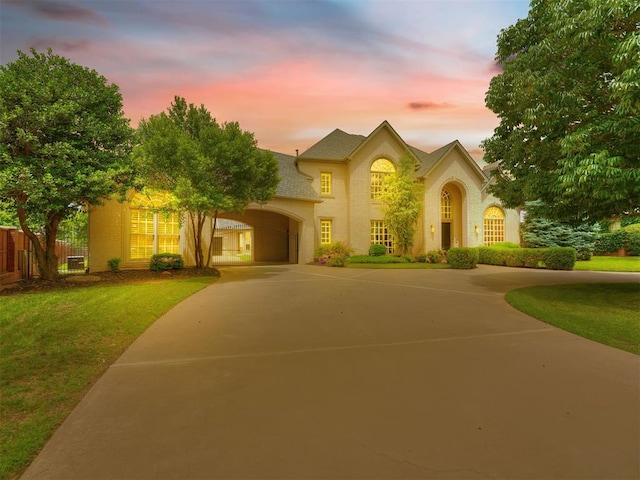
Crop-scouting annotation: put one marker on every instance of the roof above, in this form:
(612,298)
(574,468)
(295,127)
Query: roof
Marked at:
(336,146)
(293,183)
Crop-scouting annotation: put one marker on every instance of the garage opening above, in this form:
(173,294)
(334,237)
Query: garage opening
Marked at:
(257,237)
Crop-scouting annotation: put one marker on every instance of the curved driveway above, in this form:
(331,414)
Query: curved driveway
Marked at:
(295,372)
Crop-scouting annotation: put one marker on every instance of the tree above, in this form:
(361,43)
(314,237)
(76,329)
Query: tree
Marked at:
(63,143)
(210,168)
(569,107)
(539,232)
(402,200)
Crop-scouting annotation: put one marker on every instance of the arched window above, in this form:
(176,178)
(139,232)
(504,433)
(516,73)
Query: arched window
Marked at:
(493,225)
(154,228)
(445,204)
(379,170)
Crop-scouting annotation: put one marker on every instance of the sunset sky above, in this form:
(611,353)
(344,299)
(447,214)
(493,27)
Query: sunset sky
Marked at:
(289,71)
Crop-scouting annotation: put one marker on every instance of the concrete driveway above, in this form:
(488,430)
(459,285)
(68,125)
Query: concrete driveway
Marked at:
(299,372)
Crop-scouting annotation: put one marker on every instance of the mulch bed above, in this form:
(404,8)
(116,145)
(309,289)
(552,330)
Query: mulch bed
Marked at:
(103,278)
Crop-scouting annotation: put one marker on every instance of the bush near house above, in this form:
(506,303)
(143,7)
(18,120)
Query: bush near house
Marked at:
(462,257)
(335,255)
(377,250)
(552,258)
(166,261)
(384,259)
(626,237)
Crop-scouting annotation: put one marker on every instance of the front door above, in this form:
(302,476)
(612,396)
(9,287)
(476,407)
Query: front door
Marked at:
(446,235)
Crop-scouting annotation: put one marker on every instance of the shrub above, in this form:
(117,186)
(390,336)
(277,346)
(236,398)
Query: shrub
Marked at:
(462,257)
(559,258)
(114,264)
(335,255)
(422,258)
(505,245)
(632,242)
(436,256)
(379,260)
(539,233)
(610,242)
(166,261)
(377,250)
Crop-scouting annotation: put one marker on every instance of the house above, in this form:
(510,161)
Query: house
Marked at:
(328,193)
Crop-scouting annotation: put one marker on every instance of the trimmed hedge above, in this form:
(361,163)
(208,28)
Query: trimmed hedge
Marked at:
(552,258)
(378,259)
(377,250)
(462,257)
(627,237)
(166,261)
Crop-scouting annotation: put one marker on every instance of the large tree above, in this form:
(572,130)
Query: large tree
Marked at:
(63,143)
(210,168)
(401,204)
(568,100)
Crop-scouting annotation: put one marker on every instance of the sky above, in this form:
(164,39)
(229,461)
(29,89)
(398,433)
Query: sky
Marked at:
(290,71)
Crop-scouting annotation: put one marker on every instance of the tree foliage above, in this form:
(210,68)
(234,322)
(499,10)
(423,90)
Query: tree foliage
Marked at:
(540,232)
(402,200)
(63,143)
(210,168)
(569,107)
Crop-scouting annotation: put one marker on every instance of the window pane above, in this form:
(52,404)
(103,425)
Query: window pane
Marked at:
(493,226)
(379,170)
(325,232)
(141,233)
(445,204)
(380,235)
(325,183)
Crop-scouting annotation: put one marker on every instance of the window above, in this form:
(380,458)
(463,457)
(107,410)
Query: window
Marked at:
(380,235)
(325,183)
(325,232)
(379,171)
(153,231)
(445,205)
(493,226)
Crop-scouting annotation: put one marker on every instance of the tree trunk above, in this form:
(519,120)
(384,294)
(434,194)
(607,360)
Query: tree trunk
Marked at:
(197,223)
(213,231)
(46,257)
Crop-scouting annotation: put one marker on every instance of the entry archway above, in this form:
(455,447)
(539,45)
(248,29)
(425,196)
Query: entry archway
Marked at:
(256,236)
(451,199)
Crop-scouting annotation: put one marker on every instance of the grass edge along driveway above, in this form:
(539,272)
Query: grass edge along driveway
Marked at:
(603,312)
(54,345)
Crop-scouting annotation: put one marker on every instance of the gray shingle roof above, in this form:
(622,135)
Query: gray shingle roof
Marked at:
(293,183)
(335,146)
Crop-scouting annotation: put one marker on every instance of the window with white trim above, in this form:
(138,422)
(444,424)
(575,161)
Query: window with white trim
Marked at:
(381,236)
(493,226)
(325,232)
(325,183)
(445,204)
(151,230)
(380,169)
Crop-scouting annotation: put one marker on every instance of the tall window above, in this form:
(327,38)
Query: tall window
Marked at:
(493,225)
(153,231)
(325,232)
(445,204)
(379,171)
(380,235)
(325,183)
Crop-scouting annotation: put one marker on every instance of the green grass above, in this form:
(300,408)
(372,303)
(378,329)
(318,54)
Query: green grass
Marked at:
(398,266)
(54,345)
(606,313)
(610,264)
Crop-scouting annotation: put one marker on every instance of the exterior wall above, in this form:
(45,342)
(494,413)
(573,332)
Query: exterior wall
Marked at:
(349,207)
(13,248)
(106,235)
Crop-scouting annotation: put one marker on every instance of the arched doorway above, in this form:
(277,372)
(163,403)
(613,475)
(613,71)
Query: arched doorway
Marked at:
(450,217)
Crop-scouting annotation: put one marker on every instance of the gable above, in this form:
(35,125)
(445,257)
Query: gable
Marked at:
(453,151)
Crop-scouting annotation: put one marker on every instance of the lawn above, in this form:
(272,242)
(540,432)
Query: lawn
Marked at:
(606,313)
(405,266)
(610,264)
(56,344)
